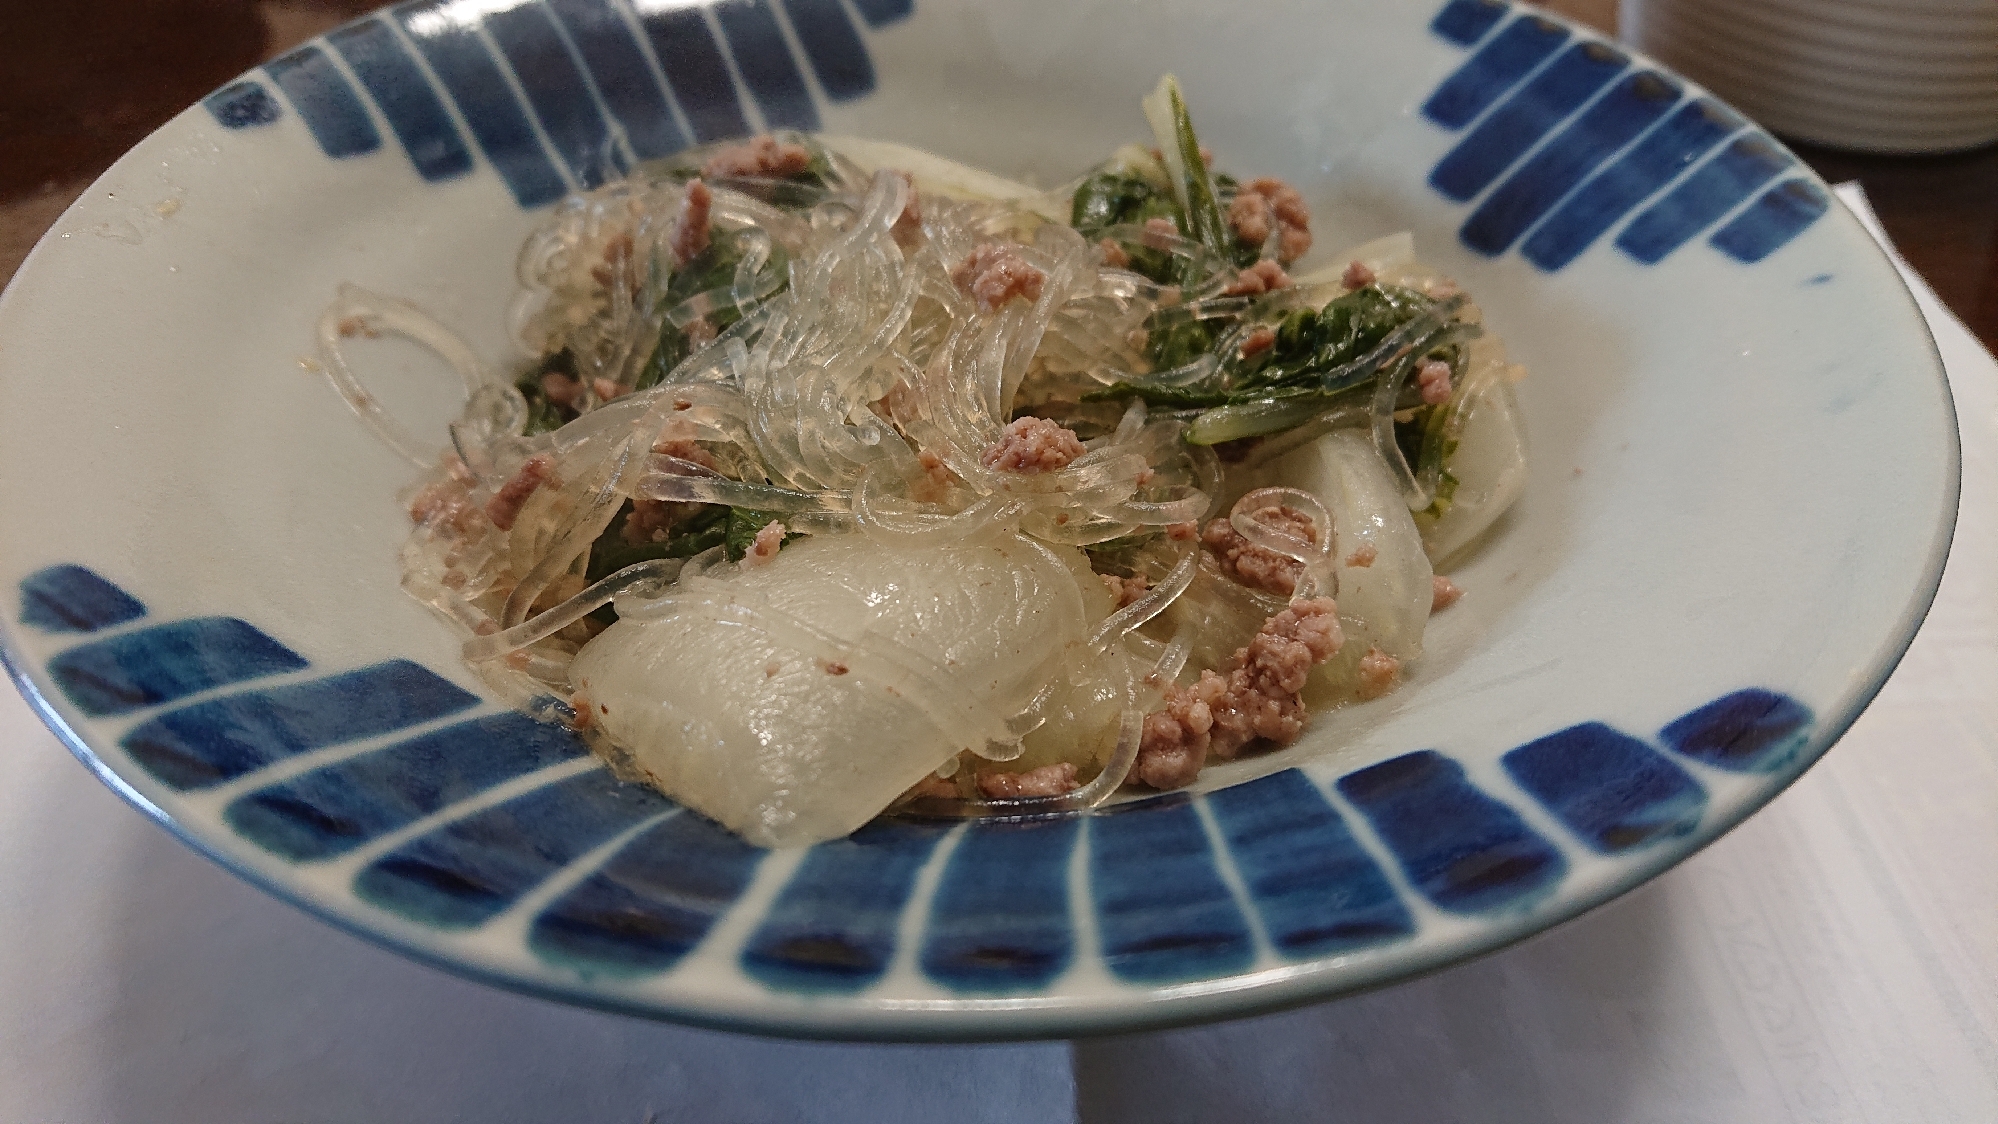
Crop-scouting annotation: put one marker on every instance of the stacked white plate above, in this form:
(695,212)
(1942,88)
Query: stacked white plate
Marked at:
(1894,76)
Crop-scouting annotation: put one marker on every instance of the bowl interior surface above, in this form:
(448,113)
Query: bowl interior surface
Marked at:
(1743,483)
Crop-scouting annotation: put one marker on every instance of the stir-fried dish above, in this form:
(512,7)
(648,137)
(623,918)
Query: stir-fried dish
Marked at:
(848,479)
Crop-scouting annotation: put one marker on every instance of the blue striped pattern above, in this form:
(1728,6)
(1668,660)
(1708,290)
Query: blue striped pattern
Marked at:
(1751,731)
(75,599)
(242,105)
(1599,204)
(558,93)
(462,874)
(624,77)
(1563,145)
(833,928)
(1314,887)
(325,102)
(1610,789)
(135,670)
(565,94)
(756,43)
(650,904)
(1462,849)
(1162,909)
(216,741)
(390,75)
(331,811)
(1777,216)
(1000,922)
(838,56)
(1464,22)
(696,72)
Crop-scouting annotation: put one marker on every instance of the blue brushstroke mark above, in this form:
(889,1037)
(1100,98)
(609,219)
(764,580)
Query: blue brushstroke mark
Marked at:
(1614,120)
(624,77)
(485,101)
(241,105)
(1315,888)
(1524,118)
(696,72)
(333,810)
(651,904)
(1162,909)
(405,97)
(1610,789)
(71,598)
(325,102)
(1751,731)
(465,872)
(1818,279)
(881,13)
(1688,134)
(559,93)
(1702,197)
(1462,849)
(1779,215)
(838,56)
(1000,920)
(222,739)
(1492,70)
(765,63)
(166,662)
(832,929)
(1464,22)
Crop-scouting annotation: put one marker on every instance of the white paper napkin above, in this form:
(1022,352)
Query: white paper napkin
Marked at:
(1835,959)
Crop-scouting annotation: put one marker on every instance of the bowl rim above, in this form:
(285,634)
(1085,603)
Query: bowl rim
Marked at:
(1239,995)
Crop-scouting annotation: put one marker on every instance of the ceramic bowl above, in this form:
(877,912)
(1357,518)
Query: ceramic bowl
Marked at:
(1743,485)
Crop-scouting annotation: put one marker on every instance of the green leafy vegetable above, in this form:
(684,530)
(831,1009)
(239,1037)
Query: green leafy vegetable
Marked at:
(1200,211)
(697,532)
(743,524)
(543,415)
(712,268)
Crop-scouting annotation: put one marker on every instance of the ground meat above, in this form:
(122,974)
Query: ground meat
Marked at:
(676,439)
(1259,341)
(1363,556)
(608,389)
(1126,590)
(1162,226)
(1255,566)
(1433,376)
(995,272)
(1265,276)
(932,787)
(560,388)
(1443,593)
(1182,532)
(1257,698)
(650,521)
(909,224)
(937,480)
(768,541)
(1113,254)
(1357,275)
(445,503)
(351,326)
(506,503)
(690,225)
(1268,204)
(619,265)
(1379,672)
(1032,445)
(700,333)
(763,156)
(1048,780)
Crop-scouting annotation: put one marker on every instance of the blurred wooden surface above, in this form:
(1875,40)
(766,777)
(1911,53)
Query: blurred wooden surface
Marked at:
(80,84)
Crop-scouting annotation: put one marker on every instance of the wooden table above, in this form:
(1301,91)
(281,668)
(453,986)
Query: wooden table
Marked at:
(80,84)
